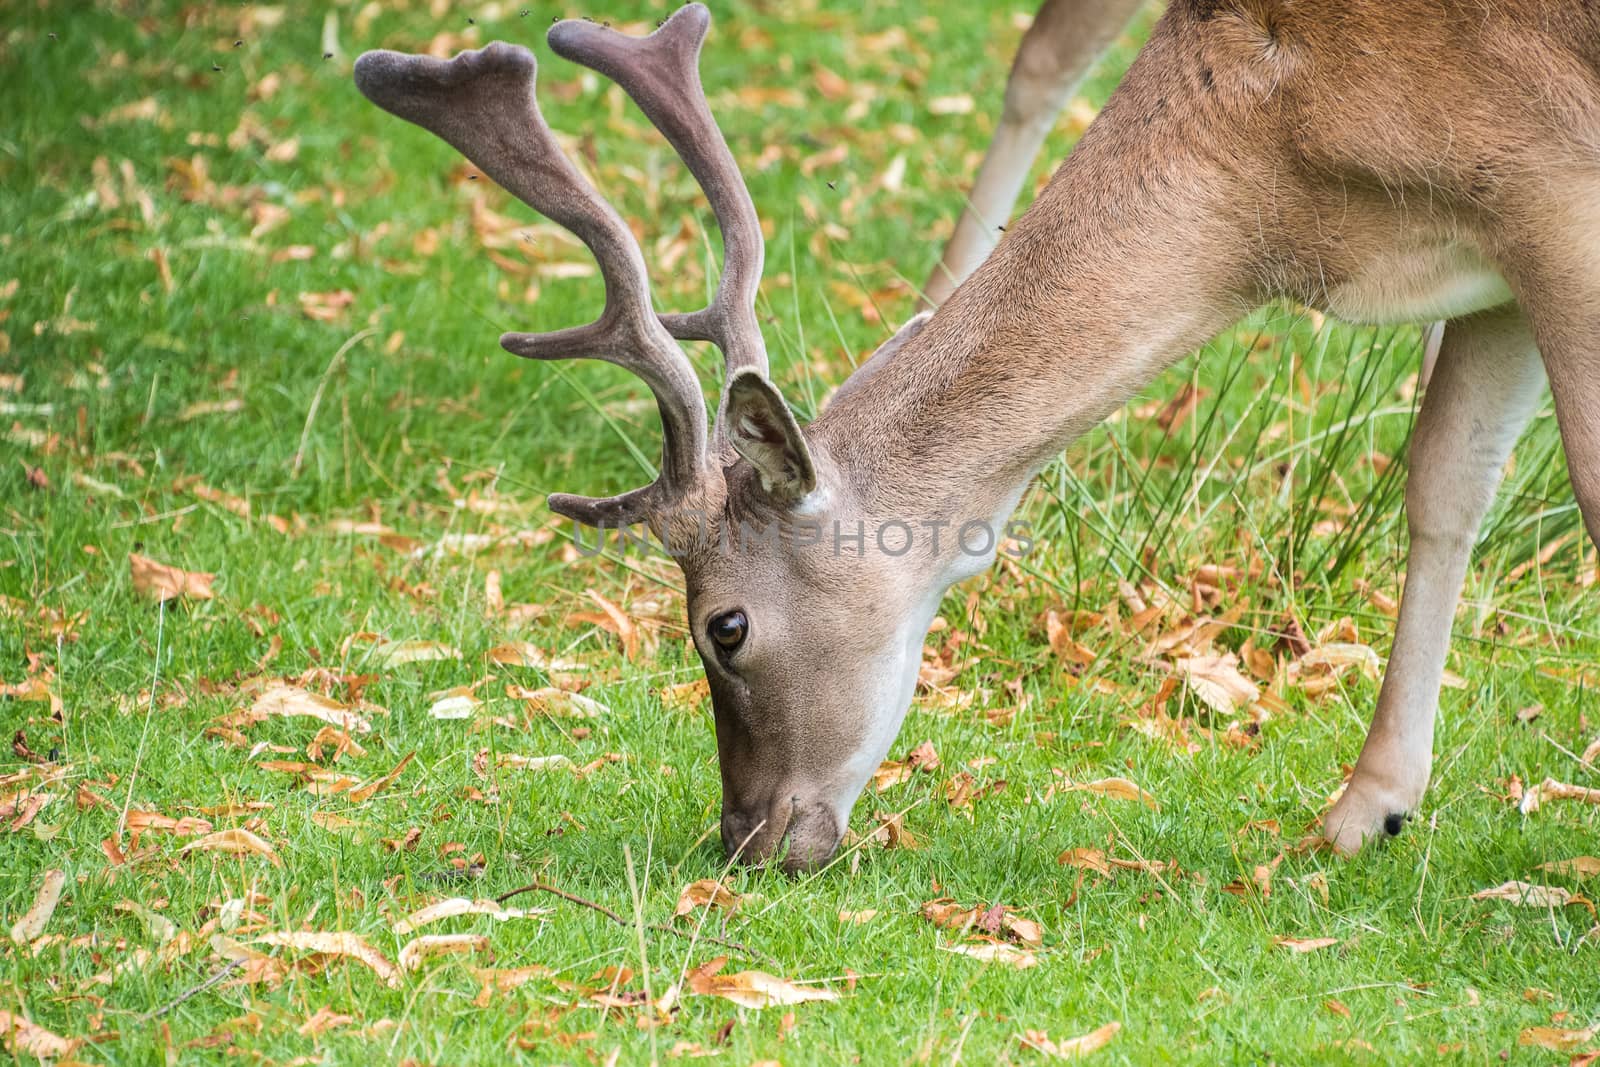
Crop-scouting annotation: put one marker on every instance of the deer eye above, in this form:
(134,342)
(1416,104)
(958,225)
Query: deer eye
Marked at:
(728,630)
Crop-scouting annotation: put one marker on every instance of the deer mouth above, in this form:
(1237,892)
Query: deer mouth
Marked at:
(802,835)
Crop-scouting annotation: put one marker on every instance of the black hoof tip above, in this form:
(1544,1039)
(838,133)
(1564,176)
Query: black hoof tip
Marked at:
(1393,824)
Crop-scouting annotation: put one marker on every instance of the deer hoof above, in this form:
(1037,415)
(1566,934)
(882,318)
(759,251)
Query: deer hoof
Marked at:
(1368,811)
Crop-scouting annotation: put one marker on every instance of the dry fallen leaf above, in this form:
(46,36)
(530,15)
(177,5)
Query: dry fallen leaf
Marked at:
(707,892)
(1300,945)
(454,906)
(1074,1047)
(859,918)
(1216,682)
(557,703)
(755,989)
(1550,789)
(32,924)
(22,1037)
(144,822)
(289,702)
(1554,1039)
(511,761)
(457,703)
(335,943)
(362,794)
(1532,896)
(1577,867)
(995,952)
(160,582)
(238,841)
(416,951)
(321,1021)
(395,653)
(1119,788)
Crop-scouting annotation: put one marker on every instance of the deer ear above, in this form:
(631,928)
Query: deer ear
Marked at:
(763,430)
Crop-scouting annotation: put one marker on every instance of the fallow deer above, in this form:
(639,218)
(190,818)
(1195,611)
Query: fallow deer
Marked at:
(1061,44)
(1383,160)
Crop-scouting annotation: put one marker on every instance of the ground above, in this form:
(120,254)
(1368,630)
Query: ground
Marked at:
(247,331)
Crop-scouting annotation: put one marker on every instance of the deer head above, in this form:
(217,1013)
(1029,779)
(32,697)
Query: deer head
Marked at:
(811,638)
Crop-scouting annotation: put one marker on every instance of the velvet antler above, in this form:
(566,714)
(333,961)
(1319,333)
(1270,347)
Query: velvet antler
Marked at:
(661,73)
(482,103)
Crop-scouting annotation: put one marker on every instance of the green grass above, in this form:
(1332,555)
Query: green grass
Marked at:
(412,418)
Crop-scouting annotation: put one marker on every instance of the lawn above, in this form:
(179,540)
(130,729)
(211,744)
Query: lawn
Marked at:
(247,332)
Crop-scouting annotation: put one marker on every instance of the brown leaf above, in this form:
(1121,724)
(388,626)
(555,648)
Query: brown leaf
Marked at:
(620,624)
(1550,789)
(362,794)
(160,582)
(238,841)
(1074,1047)
(142,822)
(321,1021)
(22,1037)
(707,892)
(755,989)
(1301,945)
(32,924)
(1556,1040)
(335,943)
(326,307)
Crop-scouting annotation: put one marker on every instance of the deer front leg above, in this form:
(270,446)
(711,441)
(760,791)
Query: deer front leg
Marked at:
(1062,43)
(1485,386)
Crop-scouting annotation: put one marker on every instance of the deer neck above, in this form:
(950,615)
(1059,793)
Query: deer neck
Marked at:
(1113,274)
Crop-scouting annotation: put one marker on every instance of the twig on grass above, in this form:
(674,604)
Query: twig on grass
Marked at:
(192,991)
(543,887)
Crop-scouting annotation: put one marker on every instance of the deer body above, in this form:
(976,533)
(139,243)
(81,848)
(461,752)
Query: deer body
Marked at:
(1386,160)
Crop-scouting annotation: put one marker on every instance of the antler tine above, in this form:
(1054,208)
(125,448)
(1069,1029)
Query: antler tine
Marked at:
(482,102)
(661,73)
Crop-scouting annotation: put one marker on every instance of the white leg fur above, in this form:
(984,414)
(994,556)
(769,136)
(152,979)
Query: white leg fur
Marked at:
(1485,386)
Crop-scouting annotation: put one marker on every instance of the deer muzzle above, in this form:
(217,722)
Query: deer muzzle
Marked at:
(802,835)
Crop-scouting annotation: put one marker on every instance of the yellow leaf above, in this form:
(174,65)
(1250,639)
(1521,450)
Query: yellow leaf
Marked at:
(160,582)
